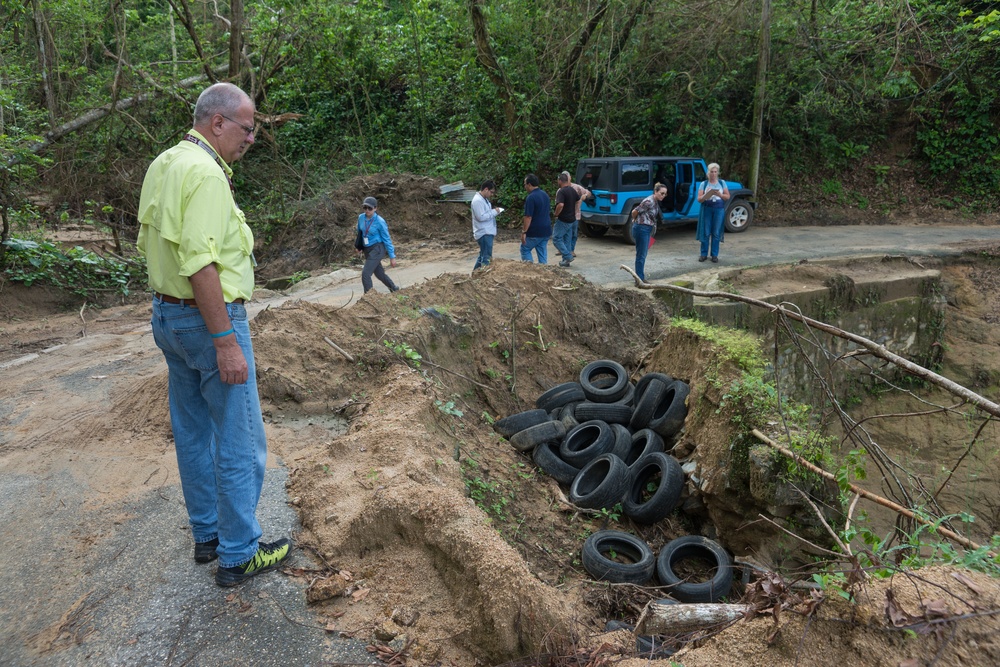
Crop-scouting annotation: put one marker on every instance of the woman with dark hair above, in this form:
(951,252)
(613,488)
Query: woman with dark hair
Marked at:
(484,222)
(644,219)
(377,244)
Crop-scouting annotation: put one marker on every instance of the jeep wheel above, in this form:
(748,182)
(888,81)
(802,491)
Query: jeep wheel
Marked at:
(739,215)
(627,231)
(594,231)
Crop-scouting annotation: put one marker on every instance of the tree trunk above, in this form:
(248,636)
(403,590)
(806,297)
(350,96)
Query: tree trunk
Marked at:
(45,65)
(675,619)
(235,39)
(573,59)
(188,21)
(760,90)
(488,61)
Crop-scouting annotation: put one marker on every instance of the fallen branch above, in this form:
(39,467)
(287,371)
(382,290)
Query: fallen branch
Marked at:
(871,346)
(448,370)
(884,502)
(675,619)
(339,349)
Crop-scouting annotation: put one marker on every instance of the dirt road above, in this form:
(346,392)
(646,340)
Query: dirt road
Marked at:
(675,254)
(96,564)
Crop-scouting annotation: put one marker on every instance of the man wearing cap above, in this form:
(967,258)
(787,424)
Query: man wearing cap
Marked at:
(584,194)
(562,232)
(536,226)
(199,255)
(377,244)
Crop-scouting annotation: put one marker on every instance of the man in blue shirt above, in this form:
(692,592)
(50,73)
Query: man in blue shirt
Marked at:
(537,225)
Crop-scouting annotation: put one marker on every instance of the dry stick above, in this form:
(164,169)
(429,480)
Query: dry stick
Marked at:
(817,547)
(83,308)
(448,370)
(961,458)
(884,502)
(885,463)
(873,347)
(339,349)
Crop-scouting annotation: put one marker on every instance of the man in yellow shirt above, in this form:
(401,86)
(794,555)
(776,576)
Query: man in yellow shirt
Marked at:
(199,254)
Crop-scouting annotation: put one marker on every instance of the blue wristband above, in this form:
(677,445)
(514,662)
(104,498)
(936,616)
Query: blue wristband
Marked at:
(223,334)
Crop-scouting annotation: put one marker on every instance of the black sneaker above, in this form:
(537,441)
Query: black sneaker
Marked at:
(204,552)
(268,557)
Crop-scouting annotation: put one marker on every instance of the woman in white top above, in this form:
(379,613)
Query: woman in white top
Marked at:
(712,195)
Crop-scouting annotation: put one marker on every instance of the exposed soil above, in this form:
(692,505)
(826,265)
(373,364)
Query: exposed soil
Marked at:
(427,526)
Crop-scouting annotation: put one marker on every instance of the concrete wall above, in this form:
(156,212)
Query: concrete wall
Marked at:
(904,313)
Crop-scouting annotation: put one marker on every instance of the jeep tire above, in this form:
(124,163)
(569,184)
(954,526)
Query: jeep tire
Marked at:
(738,216)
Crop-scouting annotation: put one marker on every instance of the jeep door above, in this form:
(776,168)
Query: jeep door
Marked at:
(688,174)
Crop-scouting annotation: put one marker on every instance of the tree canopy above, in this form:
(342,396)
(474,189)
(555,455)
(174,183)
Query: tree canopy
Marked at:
(469,89)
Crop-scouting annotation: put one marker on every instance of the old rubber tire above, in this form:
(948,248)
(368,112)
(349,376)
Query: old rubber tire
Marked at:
(664,498)
(623,441)
(695,546)
(560,395)
(602,568)
(529,438)
(546,457)
(629,397)
(644,381)
(669,415)
(646,404)
(511,424)
(601,484)
(586,442)
(604,369)
(738,216)
(648,646)
(644,441)
(613,413)
(568,417)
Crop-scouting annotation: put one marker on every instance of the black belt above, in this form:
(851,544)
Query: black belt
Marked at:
(166,298)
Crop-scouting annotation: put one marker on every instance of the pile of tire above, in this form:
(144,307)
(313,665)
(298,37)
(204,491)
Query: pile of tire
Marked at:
(602,552)
(604,438)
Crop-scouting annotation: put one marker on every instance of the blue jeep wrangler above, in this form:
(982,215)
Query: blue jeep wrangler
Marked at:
(618,184)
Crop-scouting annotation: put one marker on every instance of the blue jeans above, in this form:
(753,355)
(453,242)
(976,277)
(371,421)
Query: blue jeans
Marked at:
(562,239)
(714,217)
(485,251)
(218,430)
(641,234)
(574,236)
(540,244)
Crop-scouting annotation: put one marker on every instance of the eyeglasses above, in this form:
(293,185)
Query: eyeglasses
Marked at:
(368,208)
(248,130)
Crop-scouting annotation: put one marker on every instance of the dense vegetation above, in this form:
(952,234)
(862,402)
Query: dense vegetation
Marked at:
(467,89)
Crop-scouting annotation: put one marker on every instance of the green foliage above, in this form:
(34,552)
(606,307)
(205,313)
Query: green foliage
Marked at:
(77,270)
(491,496)
(448,408)
(404,350)
(401,86)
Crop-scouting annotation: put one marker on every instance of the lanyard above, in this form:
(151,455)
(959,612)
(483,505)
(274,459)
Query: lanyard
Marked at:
(215,156)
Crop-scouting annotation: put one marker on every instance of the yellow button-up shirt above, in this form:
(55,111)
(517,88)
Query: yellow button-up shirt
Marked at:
(188,219)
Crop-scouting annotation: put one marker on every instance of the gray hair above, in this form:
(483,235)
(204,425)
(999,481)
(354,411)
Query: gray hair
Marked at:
(713,164)
(564,176)
(222,98)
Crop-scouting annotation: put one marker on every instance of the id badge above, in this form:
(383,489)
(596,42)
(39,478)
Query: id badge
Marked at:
(366,242)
